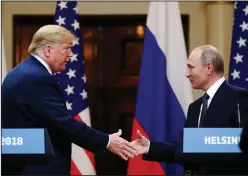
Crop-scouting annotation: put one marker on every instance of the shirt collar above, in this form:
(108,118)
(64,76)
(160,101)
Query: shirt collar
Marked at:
(213,89)
(43,63)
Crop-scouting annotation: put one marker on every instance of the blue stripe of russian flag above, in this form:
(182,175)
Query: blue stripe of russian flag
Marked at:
(158,110)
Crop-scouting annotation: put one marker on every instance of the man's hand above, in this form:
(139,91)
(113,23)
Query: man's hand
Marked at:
(121,147)
(141,143)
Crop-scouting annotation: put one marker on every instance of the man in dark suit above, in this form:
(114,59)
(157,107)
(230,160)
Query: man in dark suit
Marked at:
(244,139)
(31,98)
(218,107)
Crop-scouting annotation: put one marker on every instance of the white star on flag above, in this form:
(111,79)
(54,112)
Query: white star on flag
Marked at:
(61,20)
(62,5)
(244,26)
(235,74)
(246,10)
(75,25)
(241,42)
(238,58)
(235,5)
(71,73)
(74,57)
(68,105)
(75,9)
(69,90)
(75,42)
(84,78)
(84,94)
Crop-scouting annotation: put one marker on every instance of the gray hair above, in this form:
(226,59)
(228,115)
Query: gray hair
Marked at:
(211,55)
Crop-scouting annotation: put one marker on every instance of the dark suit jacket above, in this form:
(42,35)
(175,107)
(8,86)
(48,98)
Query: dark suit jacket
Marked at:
(31,98)
(222,112)
(244,139)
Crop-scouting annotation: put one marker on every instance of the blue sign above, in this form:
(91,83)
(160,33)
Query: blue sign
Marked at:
(23,141)
(211,140)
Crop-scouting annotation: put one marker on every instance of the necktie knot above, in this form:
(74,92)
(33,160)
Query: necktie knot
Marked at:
(205,97)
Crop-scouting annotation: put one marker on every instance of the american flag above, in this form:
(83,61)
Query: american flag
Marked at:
(73,84)
(238,72)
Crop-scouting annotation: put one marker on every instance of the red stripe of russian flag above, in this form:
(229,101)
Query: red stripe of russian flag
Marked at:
(137,166)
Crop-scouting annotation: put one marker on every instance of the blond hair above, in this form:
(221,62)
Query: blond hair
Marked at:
(49,34)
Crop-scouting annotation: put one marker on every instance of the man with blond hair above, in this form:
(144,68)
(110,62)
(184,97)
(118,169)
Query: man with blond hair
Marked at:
(31,98)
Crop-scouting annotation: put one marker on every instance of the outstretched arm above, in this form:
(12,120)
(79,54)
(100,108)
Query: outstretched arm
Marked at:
(154,151)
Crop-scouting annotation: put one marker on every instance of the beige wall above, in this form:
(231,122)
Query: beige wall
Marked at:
(196,10)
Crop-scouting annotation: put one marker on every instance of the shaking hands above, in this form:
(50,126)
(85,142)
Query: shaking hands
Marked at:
(121,147)
(126,149)
(141,144)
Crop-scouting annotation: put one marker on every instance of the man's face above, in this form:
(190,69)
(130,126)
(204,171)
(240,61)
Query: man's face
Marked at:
(60,56)
(197,73)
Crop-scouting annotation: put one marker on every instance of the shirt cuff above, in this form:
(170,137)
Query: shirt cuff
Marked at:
(148,148)
(108,142)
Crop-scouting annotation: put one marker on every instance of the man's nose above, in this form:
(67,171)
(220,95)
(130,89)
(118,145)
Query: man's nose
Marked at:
(187,73)
(70,54)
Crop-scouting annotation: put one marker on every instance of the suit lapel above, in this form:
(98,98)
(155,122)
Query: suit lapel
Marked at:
(217,100)
(193,121)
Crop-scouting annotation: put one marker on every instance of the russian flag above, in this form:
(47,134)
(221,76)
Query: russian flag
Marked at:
(164,93)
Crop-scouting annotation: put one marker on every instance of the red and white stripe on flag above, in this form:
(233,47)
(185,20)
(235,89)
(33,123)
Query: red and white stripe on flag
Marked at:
(82,162)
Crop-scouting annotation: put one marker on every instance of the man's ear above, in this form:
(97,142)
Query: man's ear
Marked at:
(210,68)
(47,51)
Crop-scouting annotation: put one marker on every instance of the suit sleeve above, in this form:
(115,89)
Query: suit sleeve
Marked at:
(161,152)
(47,104)
(189,122)
(243,101)
(168,151)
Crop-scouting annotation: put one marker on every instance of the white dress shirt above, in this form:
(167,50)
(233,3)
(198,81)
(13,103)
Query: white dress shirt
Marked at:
(211,91)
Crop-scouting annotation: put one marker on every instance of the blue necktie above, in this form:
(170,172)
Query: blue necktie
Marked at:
(205,98)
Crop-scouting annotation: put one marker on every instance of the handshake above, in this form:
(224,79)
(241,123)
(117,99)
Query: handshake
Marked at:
(126,149)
